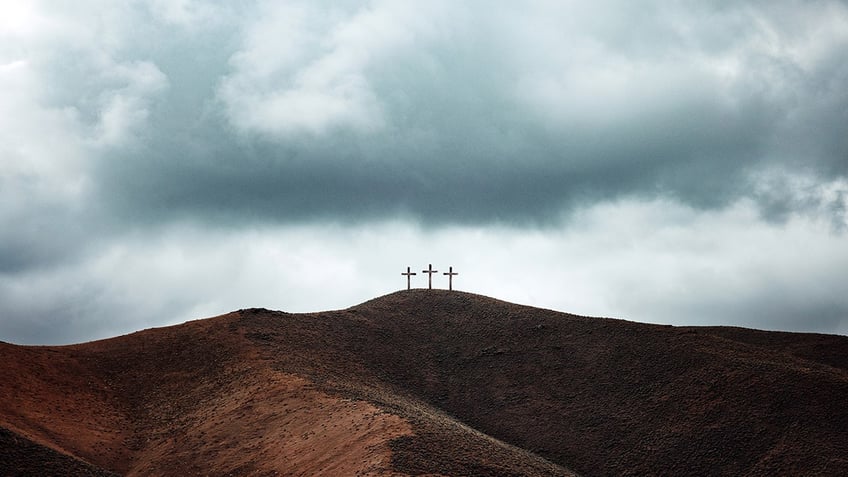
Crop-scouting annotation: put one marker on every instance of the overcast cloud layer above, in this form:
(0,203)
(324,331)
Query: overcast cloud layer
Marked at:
(168,160)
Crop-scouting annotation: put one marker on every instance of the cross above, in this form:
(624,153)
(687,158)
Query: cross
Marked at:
(450,275)
(430,271)
(408,277)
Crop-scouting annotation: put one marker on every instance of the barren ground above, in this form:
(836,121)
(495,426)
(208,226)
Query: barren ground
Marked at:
(427,383)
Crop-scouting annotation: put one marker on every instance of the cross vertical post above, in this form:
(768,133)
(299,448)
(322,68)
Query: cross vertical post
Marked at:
(409,275)
(450,275)
(430,273)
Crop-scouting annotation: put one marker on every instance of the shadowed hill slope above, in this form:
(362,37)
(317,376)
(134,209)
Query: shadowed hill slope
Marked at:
(605,397)
(432,382)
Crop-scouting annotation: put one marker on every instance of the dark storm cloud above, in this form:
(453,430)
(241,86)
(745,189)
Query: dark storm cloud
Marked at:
(297,111)
(441,128)
(43,237)
(449,183)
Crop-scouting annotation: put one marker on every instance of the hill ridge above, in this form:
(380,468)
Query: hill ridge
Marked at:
(436,382)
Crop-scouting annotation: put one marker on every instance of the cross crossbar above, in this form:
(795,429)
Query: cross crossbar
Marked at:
(430,272)
(409,275)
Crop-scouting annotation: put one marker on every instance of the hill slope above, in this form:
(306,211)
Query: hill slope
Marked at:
(430,382)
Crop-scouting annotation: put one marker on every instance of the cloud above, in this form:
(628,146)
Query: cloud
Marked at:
(127,109)
(653,261)
(379,109)
(43,181)
(303,71)
(187,13)
(71,100)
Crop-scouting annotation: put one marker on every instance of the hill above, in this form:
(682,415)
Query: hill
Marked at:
(428,382)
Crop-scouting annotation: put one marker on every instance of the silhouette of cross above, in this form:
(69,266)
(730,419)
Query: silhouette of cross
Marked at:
(450,275)
(430,271)
(408,277)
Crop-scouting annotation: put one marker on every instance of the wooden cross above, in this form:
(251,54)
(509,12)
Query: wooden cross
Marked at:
(430,271)
(450,275)
(408,277)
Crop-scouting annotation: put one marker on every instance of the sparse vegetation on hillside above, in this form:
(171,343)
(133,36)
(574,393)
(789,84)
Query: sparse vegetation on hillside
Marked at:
(432,382)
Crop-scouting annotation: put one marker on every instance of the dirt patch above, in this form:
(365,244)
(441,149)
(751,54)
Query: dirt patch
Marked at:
(20,456)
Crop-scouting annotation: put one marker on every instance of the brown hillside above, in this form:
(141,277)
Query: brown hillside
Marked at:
(428,382)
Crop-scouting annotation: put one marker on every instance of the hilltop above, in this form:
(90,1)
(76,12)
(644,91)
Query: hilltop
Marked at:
(427,382)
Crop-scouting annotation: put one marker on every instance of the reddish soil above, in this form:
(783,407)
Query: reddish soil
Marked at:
(427,383)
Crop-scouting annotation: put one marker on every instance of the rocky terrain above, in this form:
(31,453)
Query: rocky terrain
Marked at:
(427,382)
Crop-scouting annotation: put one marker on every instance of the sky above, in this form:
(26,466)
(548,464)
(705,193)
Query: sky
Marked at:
(682,162)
